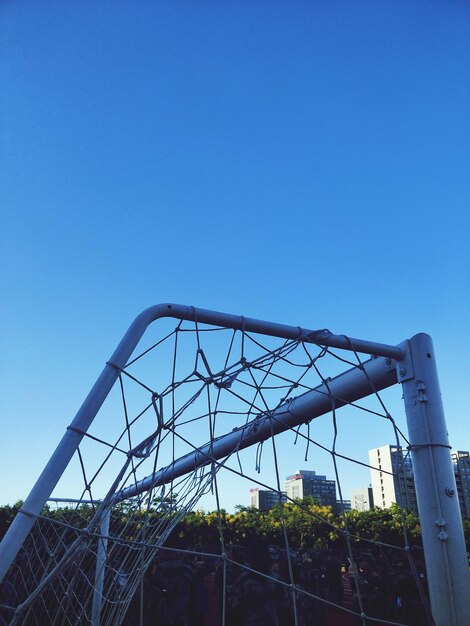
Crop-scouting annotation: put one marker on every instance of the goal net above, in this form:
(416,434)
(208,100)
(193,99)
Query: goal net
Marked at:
(151,521)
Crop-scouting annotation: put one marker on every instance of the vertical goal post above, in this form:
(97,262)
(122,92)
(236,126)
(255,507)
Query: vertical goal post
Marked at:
(411,363)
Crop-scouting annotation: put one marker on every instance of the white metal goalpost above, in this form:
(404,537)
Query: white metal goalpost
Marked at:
(411,363)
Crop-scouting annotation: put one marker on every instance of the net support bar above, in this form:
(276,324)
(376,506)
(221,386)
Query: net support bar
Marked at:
(100,567)
(438,503)
(34,503)
(351,385)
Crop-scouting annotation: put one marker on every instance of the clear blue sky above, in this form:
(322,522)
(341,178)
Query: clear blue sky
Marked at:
(304,162)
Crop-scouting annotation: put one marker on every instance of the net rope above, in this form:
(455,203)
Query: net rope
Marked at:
(99,556)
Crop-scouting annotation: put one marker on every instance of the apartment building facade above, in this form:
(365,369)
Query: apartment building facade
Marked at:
(307,483)
(393,480)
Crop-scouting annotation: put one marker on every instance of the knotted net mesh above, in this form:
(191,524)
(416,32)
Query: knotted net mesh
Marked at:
(144,528)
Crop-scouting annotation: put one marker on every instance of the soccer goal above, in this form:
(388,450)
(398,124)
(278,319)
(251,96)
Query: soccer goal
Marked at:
(128,522)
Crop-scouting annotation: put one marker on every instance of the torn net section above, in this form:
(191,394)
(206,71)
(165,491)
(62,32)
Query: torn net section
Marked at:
(129,541)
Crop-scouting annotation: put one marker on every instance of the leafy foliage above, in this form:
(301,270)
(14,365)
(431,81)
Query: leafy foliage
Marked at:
(307,524)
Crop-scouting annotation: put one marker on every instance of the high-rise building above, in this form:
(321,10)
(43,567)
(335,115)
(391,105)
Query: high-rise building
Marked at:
(362,499)
(305,483)
(461,463)
(392,478)
(265,499)
(342,506)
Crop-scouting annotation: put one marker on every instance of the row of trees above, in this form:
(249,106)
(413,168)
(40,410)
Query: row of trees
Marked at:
(306,524)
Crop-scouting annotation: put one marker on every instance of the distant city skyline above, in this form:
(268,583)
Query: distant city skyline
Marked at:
(392,482)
